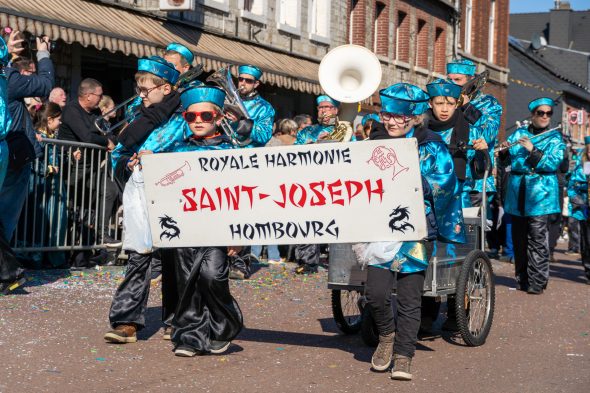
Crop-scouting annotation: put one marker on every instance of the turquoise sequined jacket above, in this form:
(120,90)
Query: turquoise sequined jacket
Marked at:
(577,192)
(311,133)
(4,117)
(537,171)
(436,167)
(263,115)
(485,127)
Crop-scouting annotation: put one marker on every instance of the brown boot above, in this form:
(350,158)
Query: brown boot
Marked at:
(122,334)
(401,368)
(381,359)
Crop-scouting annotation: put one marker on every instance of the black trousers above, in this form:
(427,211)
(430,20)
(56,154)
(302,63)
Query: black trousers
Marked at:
(409,300)
(554,223)
(10,268)
(206,310)
(531,250)
(573,227)
(129,304)
(585,246)
(307,254)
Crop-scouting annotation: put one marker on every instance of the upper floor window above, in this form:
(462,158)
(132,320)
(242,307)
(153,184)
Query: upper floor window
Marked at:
(289,16)
(468,25)
(492,32)
(380,29)
(319,20)
(222,5)
(254,10)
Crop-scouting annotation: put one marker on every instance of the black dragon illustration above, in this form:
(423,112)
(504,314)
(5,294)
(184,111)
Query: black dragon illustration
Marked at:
(170,229)
(399,217)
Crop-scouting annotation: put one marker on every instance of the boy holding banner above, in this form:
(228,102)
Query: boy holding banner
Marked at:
(207,317)
(402,108)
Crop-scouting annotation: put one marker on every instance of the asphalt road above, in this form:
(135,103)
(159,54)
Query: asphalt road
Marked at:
(52,332)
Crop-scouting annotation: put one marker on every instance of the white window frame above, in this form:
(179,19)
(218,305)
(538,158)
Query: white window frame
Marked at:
(352,17)
(376,29)
(397,30)
(260,18)
(311,19)
(468,25)
(295,30)
(492,33)
(221,5)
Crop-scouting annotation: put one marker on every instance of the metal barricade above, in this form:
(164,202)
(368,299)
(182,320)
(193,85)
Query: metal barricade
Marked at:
(66,201)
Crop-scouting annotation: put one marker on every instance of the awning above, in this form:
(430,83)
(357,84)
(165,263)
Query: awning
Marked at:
(118,29)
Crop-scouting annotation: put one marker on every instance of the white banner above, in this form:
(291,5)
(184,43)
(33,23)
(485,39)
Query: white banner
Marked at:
(321,193)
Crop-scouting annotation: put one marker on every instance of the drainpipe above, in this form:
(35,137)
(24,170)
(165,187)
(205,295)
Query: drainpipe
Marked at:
(455,18)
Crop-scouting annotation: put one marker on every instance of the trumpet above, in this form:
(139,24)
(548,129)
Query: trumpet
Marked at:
(101,122)
(473,86)
(233,103)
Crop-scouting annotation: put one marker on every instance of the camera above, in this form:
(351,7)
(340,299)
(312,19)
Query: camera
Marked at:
(32,41)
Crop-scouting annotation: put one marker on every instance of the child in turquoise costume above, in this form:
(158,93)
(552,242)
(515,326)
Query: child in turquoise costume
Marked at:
(532,193)
(402,108)
(484,113)
(578,192)
(207,318)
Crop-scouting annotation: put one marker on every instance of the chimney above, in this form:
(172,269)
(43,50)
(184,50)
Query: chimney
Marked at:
(560,24)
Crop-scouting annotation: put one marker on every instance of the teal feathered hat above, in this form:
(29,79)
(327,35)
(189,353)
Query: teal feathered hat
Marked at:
(159,67)
(461,66)
(196,94)
(540,101)
(443,87)
(183,50)
(404,99)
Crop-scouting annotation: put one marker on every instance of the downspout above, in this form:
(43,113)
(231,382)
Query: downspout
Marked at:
(455,18)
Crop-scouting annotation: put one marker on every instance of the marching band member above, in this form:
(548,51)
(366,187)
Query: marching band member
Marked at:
(155,78)
(577,197)
(207,318)
(327,113)
(579,187)
(484,112)
(532,194)
(180,56)
(403,106)
(259,110)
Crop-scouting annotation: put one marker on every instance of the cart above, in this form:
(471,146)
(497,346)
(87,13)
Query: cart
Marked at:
(464,272)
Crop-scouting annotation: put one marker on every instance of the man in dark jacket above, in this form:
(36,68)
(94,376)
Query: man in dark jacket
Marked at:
(24,79)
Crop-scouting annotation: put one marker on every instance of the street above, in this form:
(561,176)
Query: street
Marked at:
(52,341)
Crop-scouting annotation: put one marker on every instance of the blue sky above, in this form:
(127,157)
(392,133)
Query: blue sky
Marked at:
(520,6)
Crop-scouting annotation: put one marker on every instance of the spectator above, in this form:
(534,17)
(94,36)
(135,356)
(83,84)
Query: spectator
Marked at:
(302,121)
(359,132)
(107,105)
(23,80)
(58,96)
(285,134)
(78,125)
(33,105)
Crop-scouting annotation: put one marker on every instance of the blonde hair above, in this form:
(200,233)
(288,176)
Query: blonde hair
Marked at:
(287,127)
(105,102)
(143,76)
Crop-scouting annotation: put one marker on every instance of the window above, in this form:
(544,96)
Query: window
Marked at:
(440,50)
(492,32)
(222,5)
(380,29)
(402,37)
(422,44)
(468,21)
(356,21)
(254,10)
(319,20)
(289,16)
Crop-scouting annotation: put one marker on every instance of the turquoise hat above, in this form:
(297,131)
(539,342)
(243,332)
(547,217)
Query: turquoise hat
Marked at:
(183,50)
(370,116)
(159,67)
(540,101)
(3,52)
(404,99)
(443,87)
(461,66)
(194,95)
(325,98)
(250,70)
(587,140)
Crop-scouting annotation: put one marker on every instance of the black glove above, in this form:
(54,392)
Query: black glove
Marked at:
(471,113)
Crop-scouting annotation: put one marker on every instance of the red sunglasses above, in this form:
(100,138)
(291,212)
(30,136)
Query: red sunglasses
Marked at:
(205,116)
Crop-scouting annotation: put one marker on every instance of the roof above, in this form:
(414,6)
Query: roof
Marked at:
(133,33)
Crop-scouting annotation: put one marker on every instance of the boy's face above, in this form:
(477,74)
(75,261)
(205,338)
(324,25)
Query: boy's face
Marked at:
(206,119)
(151,93)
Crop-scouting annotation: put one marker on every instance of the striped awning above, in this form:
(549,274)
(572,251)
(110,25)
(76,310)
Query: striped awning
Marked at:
(118,29)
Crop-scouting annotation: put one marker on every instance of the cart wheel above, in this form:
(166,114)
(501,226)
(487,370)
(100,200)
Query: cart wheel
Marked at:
(346,310)
(475,297)
(369,332)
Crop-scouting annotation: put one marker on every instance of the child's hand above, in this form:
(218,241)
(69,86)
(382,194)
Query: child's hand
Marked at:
(232,251)
(134,160)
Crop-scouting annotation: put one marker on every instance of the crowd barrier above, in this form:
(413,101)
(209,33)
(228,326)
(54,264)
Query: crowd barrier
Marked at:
(65,204)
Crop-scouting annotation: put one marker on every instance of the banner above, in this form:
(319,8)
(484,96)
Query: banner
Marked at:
(320,193)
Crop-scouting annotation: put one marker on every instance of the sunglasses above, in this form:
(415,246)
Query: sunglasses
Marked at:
(205,116)
(247,80)
(542,113)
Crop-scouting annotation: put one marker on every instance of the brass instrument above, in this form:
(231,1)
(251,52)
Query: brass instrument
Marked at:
(473,86)
(171,177)
(349,74)
(102,124)
(233,103)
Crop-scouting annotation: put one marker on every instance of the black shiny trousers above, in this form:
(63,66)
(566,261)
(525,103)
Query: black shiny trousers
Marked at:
(10,268)
(573,229)
(130,301)
(307,254)
(531,251)
(206,310)
(585,246)
(409,301)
